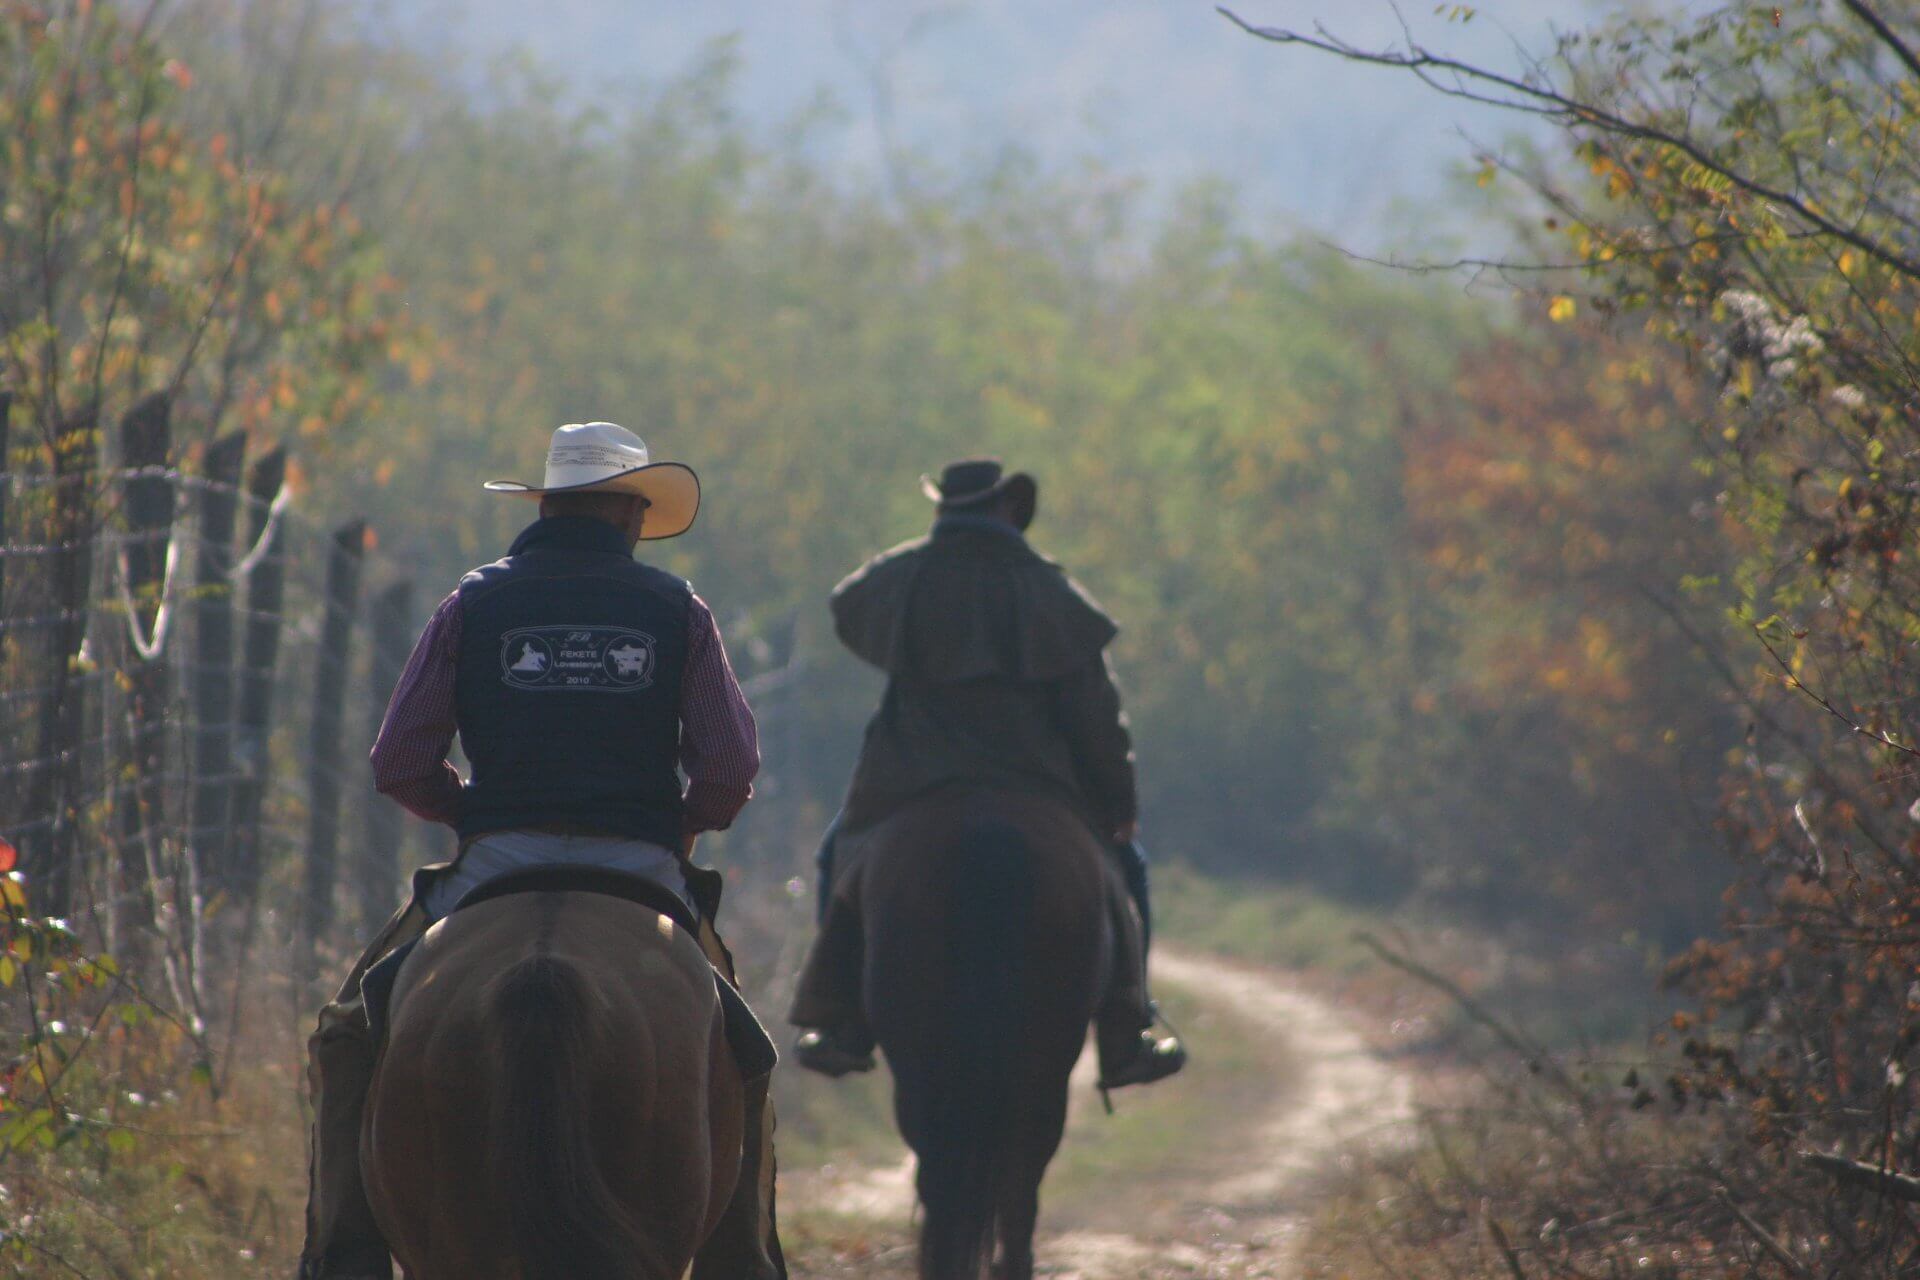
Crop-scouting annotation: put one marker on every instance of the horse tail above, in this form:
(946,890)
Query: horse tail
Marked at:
(563,1220)
(968,1104)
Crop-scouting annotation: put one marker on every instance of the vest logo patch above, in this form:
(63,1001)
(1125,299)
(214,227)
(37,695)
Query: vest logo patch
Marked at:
(596,659)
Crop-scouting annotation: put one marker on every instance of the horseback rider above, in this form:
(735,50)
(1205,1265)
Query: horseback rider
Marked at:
(578,680)
(996,675)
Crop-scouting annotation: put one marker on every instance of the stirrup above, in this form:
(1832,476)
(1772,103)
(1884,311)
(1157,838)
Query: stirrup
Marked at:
(824,1052)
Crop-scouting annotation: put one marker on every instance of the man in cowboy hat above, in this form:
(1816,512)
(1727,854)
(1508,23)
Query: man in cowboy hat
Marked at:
(579,682)
(996,675)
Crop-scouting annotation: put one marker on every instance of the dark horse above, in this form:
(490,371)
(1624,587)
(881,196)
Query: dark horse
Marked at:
(556,1099)
(987,943)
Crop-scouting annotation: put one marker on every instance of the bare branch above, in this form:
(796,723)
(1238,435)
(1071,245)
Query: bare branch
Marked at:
(1887,35)
(1779,1251)
(1541,101)
(1793,681)
(1538,1060)
(1898,1186)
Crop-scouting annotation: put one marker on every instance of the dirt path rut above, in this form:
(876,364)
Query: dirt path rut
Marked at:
(1228,1196)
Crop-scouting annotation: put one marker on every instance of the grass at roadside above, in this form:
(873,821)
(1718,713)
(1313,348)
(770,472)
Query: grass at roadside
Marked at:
(1263,922)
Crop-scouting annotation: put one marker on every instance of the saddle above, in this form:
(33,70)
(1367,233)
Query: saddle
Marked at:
(752,1047)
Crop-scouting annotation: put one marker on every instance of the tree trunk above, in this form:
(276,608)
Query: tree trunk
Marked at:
(260,657)
(323,749)
(382,865)
(212,675)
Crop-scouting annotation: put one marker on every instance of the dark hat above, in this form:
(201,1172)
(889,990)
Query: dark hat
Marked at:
(974,482)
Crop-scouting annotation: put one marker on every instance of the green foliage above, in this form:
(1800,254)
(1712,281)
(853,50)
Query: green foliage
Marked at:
(88,1069)
(1753,205)
(139,253)
(1213,418)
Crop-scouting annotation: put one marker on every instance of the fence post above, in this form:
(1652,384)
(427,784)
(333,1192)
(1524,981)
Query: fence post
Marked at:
(260,656)
(53,800)
(146,443)
(386,833)
(6,487)
(212,674)
(323,750)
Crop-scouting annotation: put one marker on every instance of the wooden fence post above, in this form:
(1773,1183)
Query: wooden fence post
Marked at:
(381,868)
(146,444)
(6,487)
(212,674)
(12,724)
(344,562)
(260,657)
(54,797)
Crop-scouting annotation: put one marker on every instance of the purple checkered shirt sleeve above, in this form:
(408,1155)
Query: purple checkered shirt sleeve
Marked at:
(719,744)
(410,753)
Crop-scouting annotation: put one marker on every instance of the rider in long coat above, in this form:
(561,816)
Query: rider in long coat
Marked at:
(581,684)
(996,675)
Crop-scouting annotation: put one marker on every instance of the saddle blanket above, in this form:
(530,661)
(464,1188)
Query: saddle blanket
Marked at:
(506,852)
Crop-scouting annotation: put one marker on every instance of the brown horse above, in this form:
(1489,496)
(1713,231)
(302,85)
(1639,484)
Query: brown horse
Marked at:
(987,945)
(556,1099)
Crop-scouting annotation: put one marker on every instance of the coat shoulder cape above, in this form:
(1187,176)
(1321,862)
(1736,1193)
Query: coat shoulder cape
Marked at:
(966,606)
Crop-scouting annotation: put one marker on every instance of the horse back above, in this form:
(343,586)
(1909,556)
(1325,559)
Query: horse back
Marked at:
(985,907)
(584,1033)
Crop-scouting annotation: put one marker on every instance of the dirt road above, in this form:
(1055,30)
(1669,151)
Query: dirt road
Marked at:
(1208,1176)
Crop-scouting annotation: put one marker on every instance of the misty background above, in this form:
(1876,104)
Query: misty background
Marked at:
(1162,91)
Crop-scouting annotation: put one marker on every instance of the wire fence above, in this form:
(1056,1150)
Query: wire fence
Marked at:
(190,673)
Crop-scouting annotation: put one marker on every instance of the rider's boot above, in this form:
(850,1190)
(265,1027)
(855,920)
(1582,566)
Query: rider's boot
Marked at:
(826,1002)
(343,1241)
(1138,1056)
(1130,1050)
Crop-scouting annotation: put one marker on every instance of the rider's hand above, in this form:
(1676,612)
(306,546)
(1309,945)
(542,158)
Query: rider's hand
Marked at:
(1125,832)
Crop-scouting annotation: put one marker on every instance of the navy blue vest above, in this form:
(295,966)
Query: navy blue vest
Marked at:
(567,686)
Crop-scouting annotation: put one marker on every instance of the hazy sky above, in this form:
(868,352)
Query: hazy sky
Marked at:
(1168,88)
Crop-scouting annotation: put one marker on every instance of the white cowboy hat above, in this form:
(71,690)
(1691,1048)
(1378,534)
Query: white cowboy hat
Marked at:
(599,457)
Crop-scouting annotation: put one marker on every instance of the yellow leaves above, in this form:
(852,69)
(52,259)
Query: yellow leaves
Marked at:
(1561,309)
(1847,262)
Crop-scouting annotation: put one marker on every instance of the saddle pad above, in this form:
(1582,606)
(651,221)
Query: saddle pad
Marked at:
(564,879)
